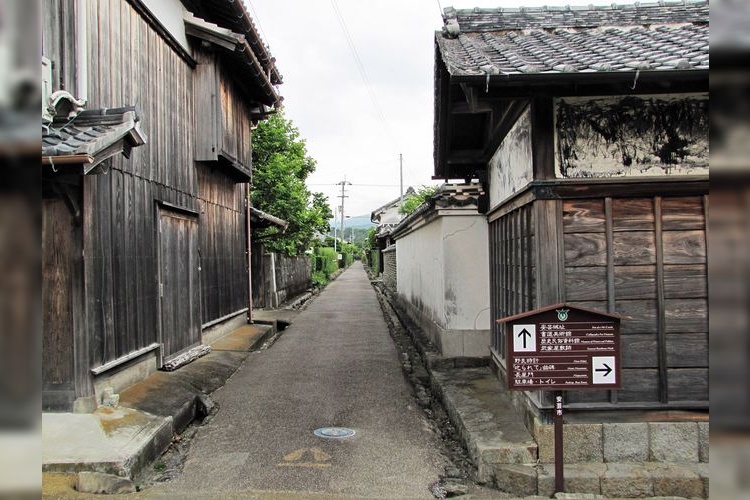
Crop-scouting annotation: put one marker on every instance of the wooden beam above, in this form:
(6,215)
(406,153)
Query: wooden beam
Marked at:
(661,333)
(543,138)
(501,126)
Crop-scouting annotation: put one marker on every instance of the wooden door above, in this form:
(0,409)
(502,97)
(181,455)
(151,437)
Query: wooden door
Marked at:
(58,243)
(179,285)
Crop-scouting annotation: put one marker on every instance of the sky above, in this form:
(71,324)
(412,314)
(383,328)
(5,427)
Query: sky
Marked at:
(353,129)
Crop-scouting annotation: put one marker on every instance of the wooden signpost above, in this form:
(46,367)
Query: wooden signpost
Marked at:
(560,348)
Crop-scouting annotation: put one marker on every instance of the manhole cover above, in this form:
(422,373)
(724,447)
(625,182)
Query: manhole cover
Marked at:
(334,432)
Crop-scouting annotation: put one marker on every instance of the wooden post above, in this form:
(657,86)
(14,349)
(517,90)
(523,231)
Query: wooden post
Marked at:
(559,478)
(248,244)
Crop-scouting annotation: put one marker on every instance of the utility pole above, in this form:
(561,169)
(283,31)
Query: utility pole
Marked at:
(401,175)
(343,185)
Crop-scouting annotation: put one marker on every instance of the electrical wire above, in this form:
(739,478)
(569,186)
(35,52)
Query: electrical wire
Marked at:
(363,74)
(257,20)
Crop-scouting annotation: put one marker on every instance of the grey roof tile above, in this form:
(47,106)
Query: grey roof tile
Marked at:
(613,38)
(91,132)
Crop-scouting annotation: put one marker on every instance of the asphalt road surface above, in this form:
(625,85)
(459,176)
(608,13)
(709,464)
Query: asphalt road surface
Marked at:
(336,366)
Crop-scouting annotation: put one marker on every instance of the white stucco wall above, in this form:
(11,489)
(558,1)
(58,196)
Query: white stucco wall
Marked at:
(170,14)
(419,268)
(391,216)
(442,270)
(510,167)
(466,278)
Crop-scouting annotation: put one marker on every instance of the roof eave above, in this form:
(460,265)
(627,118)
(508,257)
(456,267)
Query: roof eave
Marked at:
(547,79)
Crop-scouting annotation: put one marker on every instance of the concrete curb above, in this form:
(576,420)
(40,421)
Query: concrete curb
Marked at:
(123,441)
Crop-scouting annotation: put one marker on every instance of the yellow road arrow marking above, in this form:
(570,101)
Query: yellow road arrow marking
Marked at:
(294,458)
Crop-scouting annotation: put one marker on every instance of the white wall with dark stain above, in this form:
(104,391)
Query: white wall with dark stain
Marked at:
(631,136)
(442,274)
(510,168)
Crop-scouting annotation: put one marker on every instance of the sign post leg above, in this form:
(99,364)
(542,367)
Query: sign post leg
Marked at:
(558,422)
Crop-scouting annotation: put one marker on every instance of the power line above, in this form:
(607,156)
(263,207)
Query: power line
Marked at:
(363,73)
(257,21)
(357,185)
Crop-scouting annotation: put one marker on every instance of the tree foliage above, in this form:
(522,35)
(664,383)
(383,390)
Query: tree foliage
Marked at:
(414,200)
(280,166)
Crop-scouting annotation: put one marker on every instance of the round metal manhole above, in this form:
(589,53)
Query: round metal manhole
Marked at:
(334,432)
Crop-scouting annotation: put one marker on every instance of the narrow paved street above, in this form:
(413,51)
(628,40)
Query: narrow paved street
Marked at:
(335,367)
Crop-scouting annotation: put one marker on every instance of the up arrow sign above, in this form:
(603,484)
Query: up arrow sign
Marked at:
(524,338)
(524,335)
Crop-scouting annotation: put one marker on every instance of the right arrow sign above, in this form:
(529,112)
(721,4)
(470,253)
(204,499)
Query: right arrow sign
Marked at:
(603,370)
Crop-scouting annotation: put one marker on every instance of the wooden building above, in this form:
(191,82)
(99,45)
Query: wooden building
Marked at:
(588,127)
(146,167)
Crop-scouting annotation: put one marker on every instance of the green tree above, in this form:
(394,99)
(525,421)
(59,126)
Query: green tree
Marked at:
(280,166)
(414,200)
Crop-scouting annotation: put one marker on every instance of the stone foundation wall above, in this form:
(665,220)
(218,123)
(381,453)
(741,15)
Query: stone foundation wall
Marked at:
(662,442)
(450,343)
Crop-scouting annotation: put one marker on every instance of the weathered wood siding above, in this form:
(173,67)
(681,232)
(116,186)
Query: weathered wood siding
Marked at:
(278,278)
(223,119)
(643,258)
(261,280)
(131,65)
(512,269)
(293,276)
(179,304)
(222,243)
(58,291)
(58,42)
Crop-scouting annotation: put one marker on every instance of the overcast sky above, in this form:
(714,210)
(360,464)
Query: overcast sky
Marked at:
(326,98)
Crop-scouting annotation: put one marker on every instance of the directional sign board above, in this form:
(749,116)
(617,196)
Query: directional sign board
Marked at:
(562,347)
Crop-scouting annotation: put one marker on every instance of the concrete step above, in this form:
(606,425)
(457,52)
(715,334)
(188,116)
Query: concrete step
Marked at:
(489,425)
(119,441)
(613,480)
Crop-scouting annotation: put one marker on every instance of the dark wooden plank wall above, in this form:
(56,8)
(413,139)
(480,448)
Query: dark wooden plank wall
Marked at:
(224,124)
(131,65)
(644,258)
(58,265)
(178,269)
(512,268)
(222,243)
(235,122)
(58,42)
(259,276)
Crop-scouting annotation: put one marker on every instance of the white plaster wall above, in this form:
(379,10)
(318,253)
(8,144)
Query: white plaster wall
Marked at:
(170,14)
(419,268)
(511,166)
(466,277)
(391,216)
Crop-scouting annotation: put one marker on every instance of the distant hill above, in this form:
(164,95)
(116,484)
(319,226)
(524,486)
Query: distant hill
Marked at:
(357,221)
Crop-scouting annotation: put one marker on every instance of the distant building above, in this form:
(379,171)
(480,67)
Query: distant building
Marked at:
(387,217)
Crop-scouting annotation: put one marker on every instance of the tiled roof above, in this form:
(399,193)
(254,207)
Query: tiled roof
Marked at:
(233,15)
(92,134)
(520,41)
